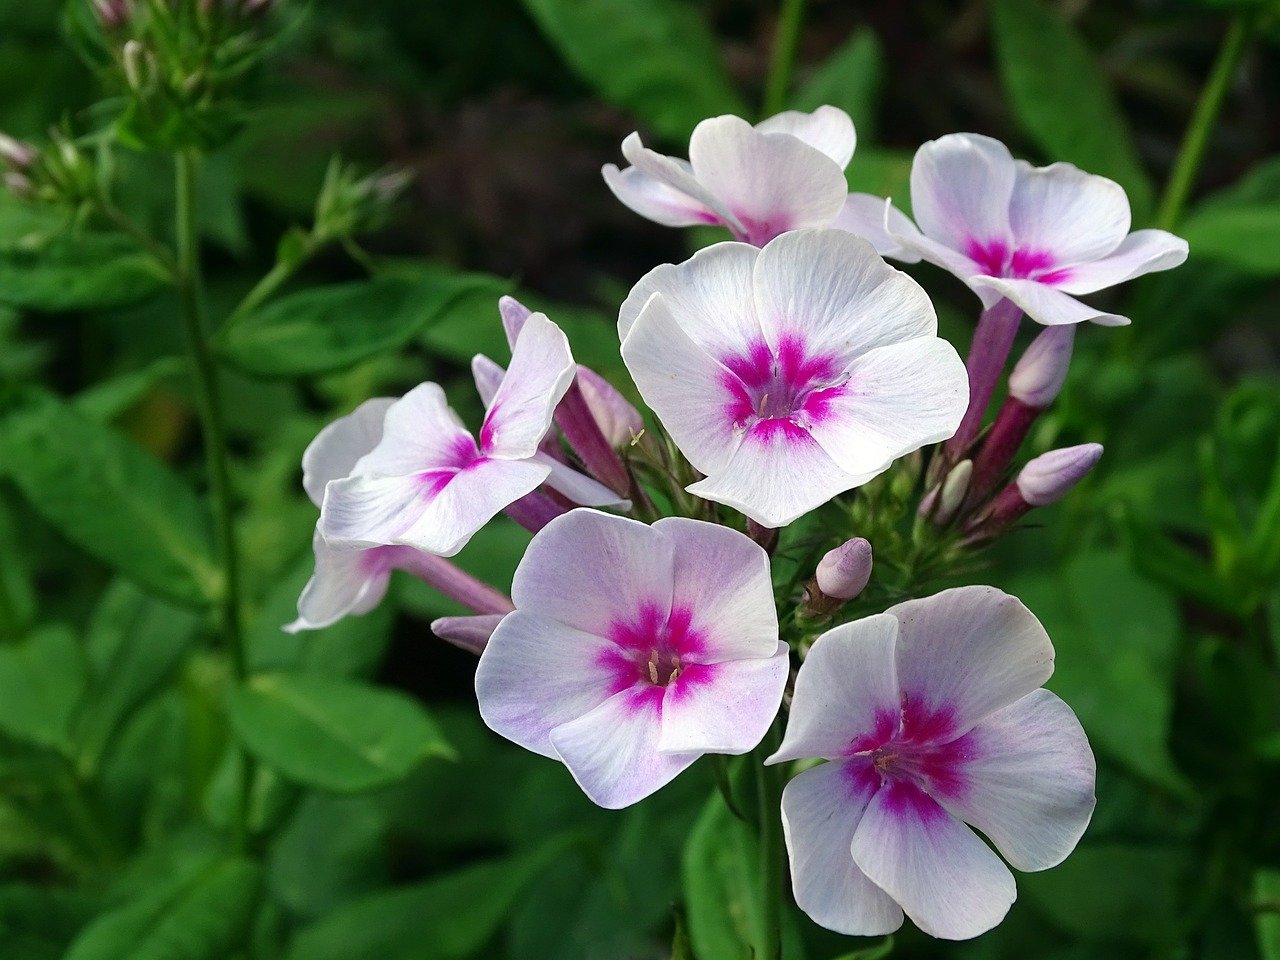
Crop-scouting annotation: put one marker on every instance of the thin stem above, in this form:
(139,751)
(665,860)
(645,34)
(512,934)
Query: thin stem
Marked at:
(580,428)
(1196,139)
(264,289)
(992,341)
(209,404)
(772,874)
(784,56)
(162,254)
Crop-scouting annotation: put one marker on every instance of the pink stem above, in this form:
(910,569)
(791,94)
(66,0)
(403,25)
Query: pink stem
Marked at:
(454,583)
(1007,506)
(1012,424)
(534,511)
(992,341)
(584,436)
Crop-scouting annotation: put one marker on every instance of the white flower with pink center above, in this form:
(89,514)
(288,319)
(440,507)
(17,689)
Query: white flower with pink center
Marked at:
(785,173)
(1040,236)
(635,649)
(933,721)
(793,373)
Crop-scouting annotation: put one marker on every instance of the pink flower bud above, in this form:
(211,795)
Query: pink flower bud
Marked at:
(619,421)
(469,633)
(1049,477)
(17,184)
(111,14)
(1041,371)
(17,154)
(845,571)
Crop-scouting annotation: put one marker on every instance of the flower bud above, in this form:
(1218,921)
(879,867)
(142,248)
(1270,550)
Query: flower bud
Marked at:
(618,420)
(845,571)
(943,501)
(18,184)
(469,633)
(111,14)
(18,155)
(139,65)
(1042,369)
(1049,477)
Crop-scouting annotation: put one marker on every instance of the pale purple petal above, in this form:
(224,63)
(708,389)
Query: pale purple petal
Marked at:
(709,294)
(1045,304)
(612,751)
(578,487)
(940,255)
(334,452)
(771,182)
(1067,214)
(469,633)
(368,511)
(345,583)
(877,221)
(963,654)
(724,707)
(821,810)
(846,696)
(833,293)
(731,598)
(961,186)
(420,433)
(535,674)
(655,199)
(615,415)
(514,315)
(776,476)
(897,399)
(541,370)
(587,569)
(828,129)
(676,174)
(488,377)
(1143,251)
(944,877)
(1027,781)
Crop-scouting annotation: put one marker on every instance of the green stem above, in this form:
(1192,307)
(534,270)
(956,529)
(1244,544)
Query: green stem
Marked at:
(772,875)
(162,255)
(1196,138)
(266,288)
(784,56)
(209,404)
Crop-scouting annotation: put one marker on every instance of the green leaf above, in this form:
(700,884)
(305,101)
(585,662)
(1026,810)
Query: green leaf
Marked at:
(877,952)
(112,498)
(334,735)
(17,589)
(41,681)
(1266,901)
(108,399)
(202,915)
(656,58)
(849,79)
(330,328)
(446,917)
(1062,98)
(1246,237)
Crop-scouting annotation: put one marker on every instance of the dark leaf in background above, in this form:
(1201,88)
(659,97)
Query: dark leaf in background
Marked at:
(1266,901)
(850,79)
(41,682)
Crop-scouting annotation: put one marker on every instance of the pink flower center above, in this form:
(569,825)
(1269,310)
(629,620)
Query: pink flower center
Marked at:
(786,389)
(917,747)
(653,649)
(461,454)
(996,258)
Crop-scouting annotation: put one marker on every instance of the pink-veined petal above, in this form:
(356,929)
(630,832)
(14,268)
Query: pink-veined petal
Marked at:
(419,433)
(846,696)
(655,199)
(724,707)
(963,654)
(866,215)
(337,448)
(612,751)
(1027,781)
(943,876)
(345,583)
(821,810)
(961,186)
(535,674)
(1045,304)
(1143,251)
(828,129)
(1066,213)
(523,407)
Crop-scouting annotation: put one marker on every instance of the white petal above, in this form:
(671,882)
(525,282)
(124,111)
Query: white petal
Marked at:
(1067,213)
(846,697)
(676,174)
(1027,781)
(541,370)
(865,215)
(961,186)
(588,568)
(963,654)
(345,583)
(613,751)
(655,199)
(897,399)
(709,295)
(923,248)
(514,315)
(722,578)
(943,876)
(578,487)
(683,386)
(537,673)
(828,129)
(1143,251)
(369,511)
(488,377)
(334,452)
(833,292)
(617,418)
(771,182)
(724,707)
(419,433)
(1045,304)
(821,810)
(775,477)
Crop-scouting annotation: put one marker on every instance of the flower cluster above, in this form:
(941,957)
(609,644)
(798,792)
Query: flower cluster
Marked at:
(783,369)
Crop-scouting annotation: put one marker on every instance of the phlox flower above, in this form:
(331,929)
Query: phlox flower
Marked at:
(790,374)
(635,649)
(1039,236)
(933,721)
(785,173)
(429,484)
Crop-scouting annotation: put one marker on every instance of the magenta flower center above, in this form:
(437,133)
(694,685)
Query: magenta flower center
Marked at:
(916,748)
(786,388)
(461,454)
(653,649)
(996,258)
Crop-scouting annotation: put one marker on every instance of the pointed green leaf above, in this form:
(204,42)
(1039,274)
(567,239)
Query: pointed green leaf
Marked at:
(849,79)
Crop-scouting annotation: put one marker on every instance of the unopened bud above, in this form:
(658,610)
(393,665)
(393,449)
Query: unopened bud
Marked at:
(139,65)
(111,14)
(514,314)
(469,633)
(18,184)
(618,420)
(1042,369)
(17,154)
(953,492)
(1049,477)
(844,572)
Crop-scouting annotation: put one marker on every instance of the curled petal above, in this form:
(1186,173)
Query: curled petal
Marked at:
(1142,252)
(345,583)
(337,448)
(1045,304)
(1067,213)
(523,407)
(655,199)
